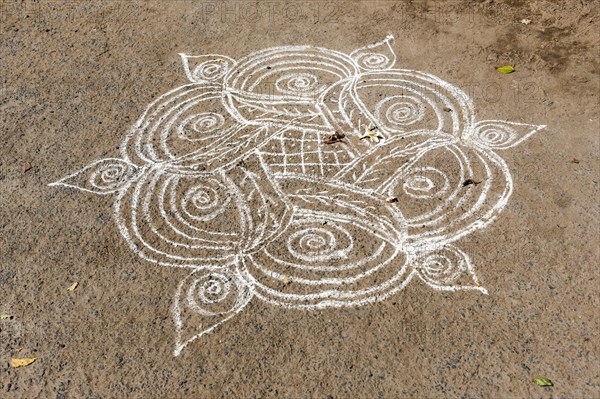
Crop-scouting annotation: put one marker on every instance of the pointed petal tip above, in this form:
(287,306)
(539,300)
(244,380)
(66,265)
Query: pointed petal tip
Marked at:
(178,349)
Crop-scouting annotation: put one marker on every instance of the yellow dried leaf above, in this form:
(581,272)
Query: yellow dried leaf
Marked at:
(543,382)
(22,362)
(5,316)
(73,286)
(506,69)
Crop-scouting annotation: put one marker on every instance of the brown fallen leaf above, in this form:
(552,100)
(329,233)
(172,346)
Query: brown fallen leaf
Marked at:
(22,362)
(391,200)
(468,182)
(73,286)
(575,160)
(26,166)
(334,138)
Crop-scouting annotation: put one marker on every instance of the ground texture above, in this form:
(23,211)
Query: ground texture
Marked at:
(76,75)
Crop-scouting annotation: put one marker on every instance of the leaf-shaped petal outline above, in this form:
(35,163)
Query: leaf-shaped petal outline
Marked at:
(105,176)
(376,56)
(207,67)
(211,295)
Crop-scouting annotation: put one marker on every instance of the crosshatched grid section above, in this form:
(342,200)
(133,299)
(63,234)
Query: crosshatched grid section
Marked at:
(304,151)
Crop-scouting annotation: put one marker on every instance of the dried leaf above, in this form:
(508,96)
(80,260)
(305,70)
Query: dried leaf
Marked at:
(334,138)
(468,182)
(575,160)
(286,280)
(26,166)
(506,69)
(543,382)
(22,362)
(4,316)
(391,200)
(373,137)
(73,286)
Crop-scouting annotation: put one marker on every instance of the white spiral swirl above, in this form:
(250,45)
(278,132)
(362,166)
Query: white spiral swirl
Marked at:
(423,183)
(373,61)
(319,244)
(297,83)
(400,111)
(110,176)
(197,127)
(495,134)
(210,70)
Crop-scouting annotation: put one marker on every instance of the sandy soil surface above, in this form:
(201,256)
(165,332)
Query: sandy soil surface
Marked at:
(76,75)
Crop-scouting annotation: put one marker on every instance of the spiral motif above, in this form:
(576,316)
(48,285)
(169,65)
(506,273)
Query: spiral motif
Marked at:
(412,101)
(110,176)
(496,134)
(195,215)
(211,294)
(424,183)
(282,85)
(447,267)
(210,70)
(439,267)
(373,61)
(285,71)
(399,112)
(318,245)
(196,127)
(297,84)
(182,122)
(326,257)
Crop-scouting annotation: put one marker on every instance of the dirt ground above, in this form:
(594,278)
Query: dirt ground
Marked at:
(76,75)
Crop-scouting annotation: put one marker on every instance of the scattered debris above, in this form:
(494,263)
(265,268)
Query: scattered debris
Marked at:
(373,137)
(525,21)
(447,109)
(391,200)
(26,167)
(575,160)
(373,128)
(4,316)
(334,138)
(506,69)
(543,382)
(468,182)
(73,286)
(22,362)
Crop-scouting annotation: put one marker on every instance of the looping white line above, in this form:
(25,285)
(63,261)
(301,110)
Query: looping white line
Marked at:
(307,178)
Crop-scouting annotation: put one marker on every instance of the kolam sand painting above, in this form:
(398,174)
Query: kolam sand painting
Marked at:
(296,200)
(259,174)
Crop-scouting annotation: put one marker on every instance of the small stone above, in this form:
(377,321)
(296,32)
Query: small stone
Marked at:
(26,166)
